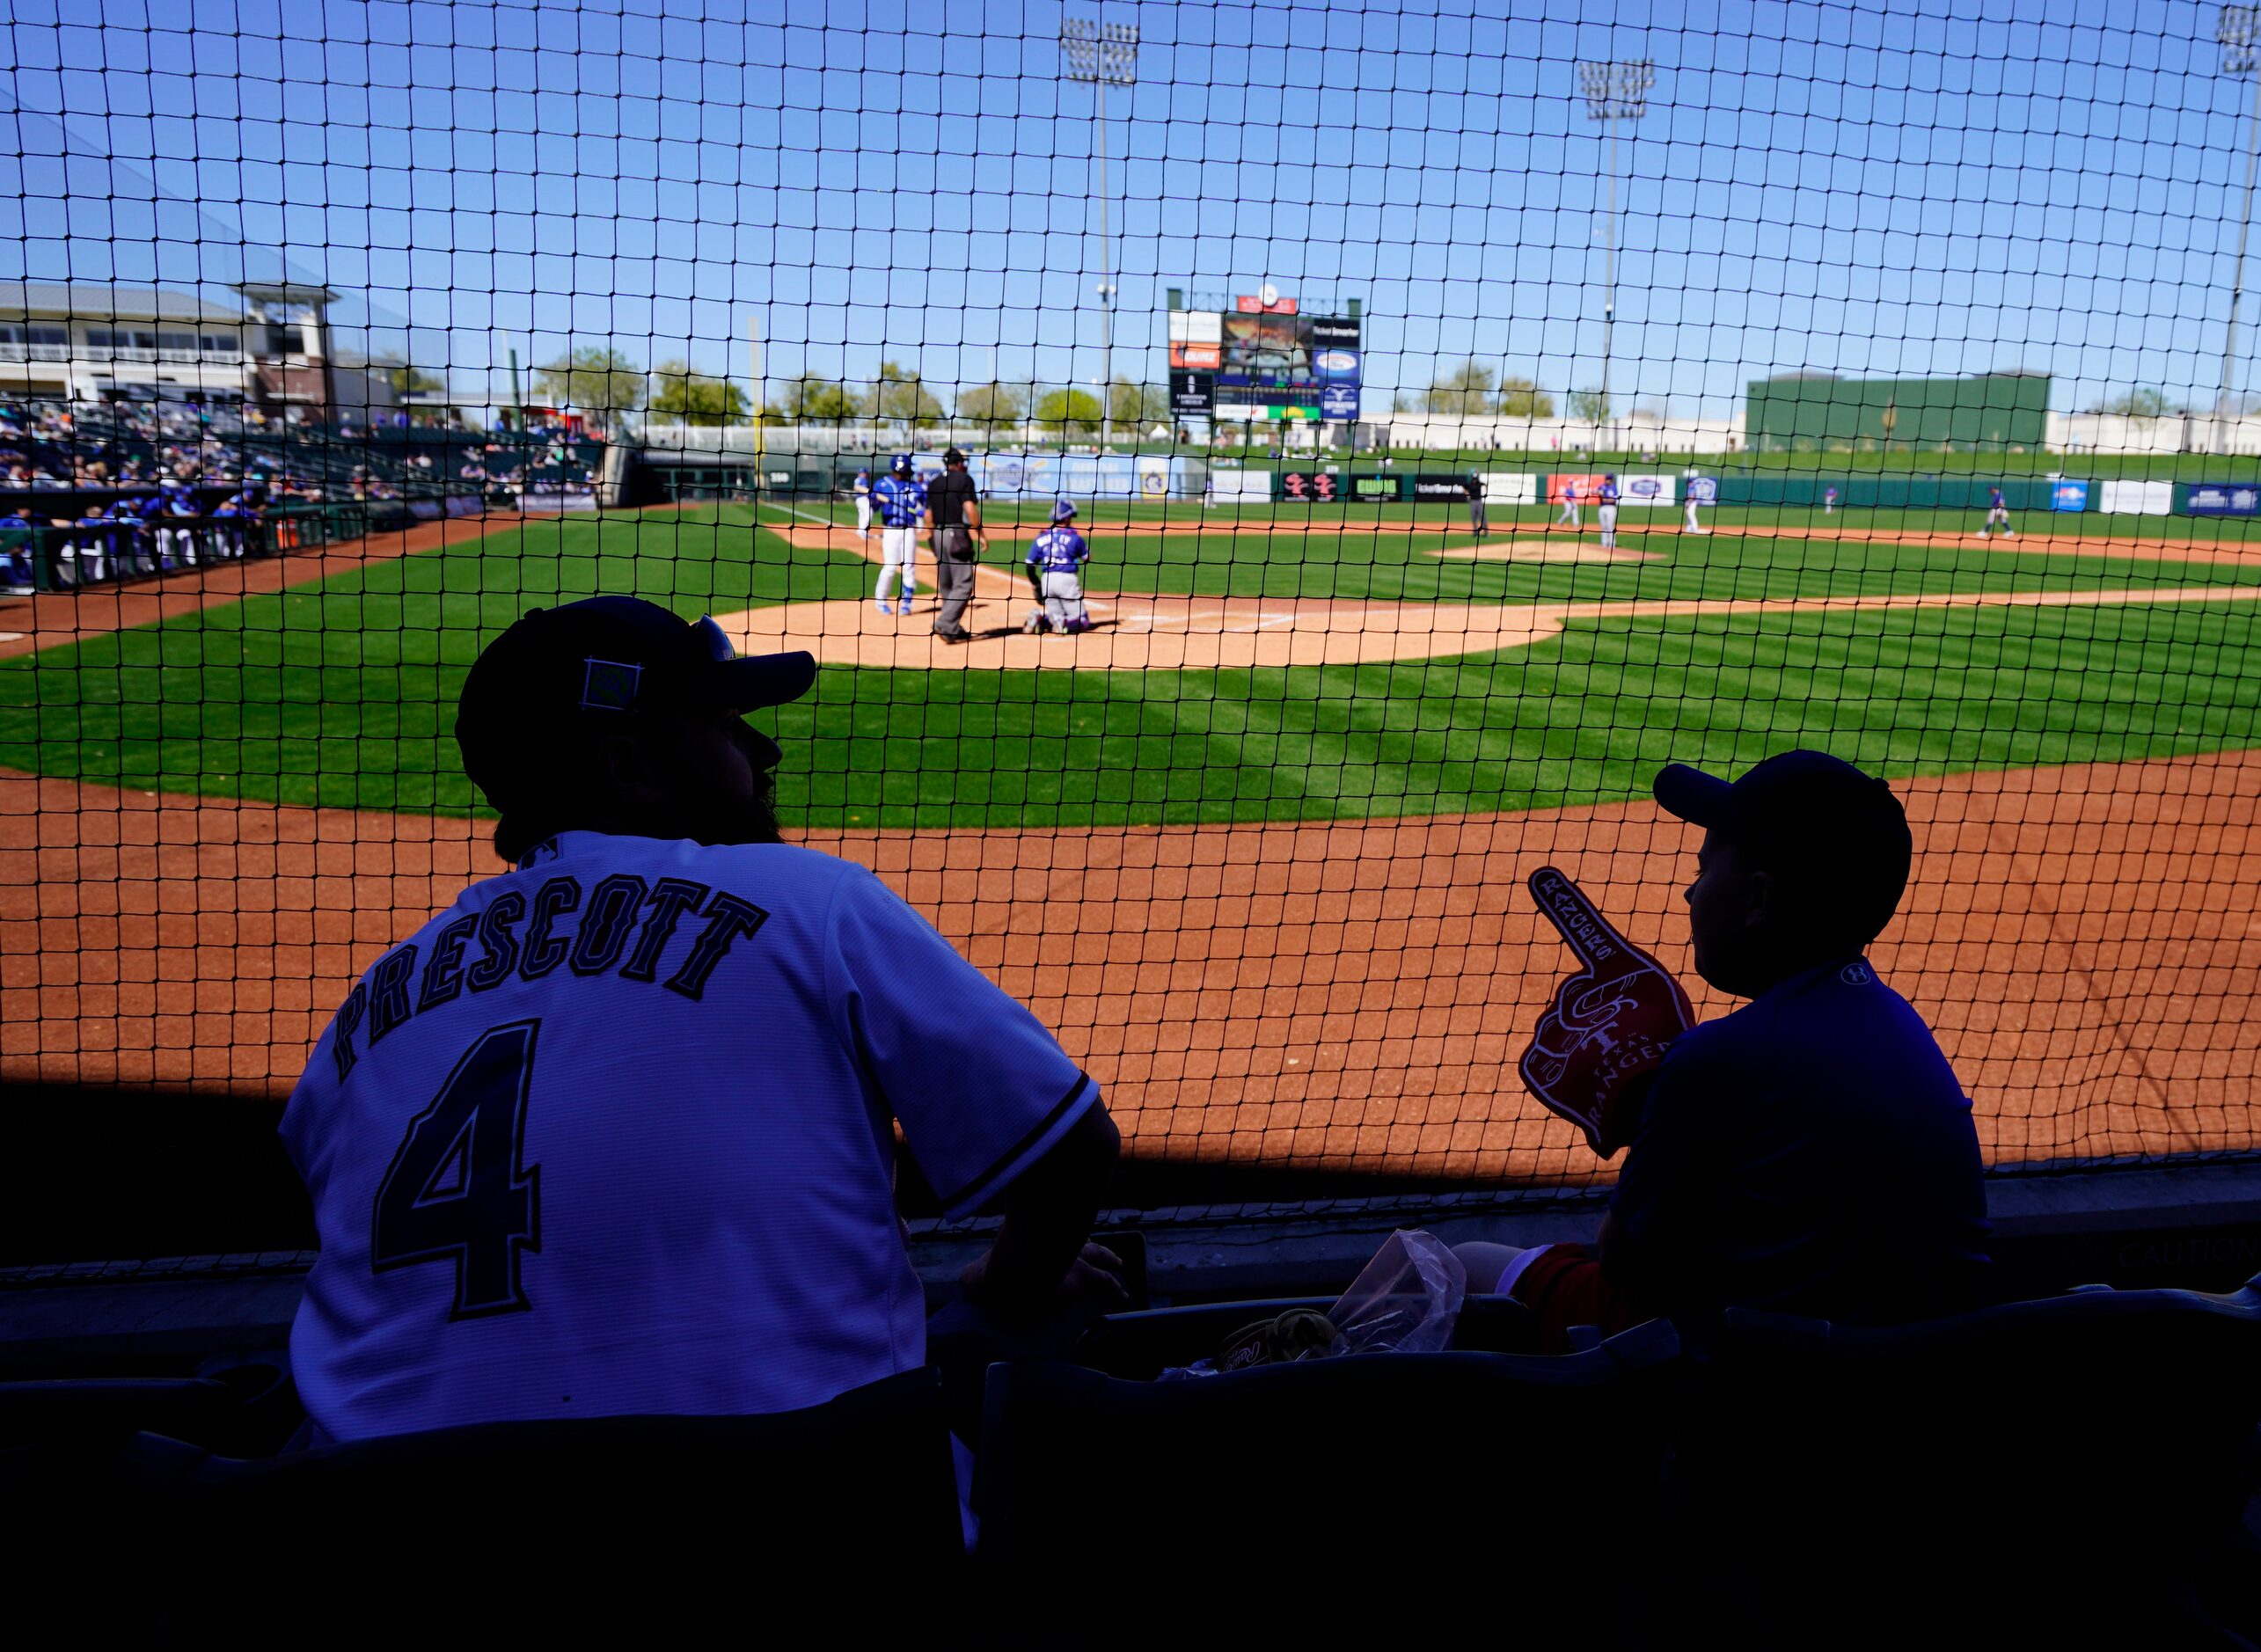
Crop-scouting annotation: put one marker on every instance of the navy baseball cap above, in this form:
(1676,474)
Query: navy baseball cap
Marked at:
(902,465)
(1812,813)
(559,671)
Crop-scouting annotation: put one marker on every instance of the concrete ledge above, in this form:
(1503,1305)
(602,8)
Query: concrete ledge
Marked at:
(2195,1225)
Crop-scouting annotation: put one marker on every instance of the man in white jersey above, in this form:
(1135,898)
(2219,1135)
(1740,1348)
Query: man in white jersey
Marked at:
(864,502)
(614,1133)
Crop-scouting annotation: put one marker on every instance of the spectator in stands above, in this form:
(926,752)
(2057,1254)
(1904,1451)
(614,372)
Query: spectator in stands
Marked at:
(1812,1152)
(735,1250)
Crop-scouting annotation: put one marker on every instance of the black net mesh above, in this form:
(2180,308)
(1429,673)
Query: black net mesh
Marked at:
(1465,416)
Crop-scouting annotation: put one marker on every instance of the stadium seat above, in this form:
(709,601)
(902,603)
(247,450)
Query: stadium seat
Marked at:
(1333,1497)
(2044,1473)
(661,1524)
(1138,1346)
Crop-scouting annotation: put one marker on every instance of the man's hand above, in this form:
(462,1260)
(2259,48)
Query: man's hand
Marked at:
(1096,1271)
(1599,1045)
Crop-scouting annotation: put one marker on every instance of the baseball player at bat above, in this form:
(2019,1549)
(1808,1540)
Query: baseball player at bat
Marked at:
(615,1133)
(1812,1152)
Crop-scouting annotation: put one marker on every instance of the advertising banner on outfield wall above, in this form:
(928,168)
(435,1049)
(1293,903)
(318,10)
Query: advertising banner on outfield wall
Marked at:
(1377,489)
(1435,485)
(1646,489)
(1240,485)
(1511,487)
(1077,475)
(1703,490)
(1311,487)
(2136,498)
(2068,496)
(2223,499)
(1560,487)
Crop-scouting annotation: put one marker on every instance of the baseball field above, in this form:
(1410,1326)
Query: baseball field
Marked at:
(1254,846)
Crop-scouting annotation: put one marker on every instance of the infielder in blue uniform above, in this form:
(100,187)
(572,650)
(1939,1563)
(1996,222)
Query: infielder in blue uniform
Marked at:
(1606,511)
(900,499)
(614,1133)
(1056,559)
(1997,515)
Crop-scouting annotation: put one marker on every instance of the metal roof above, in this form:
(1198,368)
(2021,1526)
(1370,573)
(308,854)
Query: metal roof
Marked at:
(100,301)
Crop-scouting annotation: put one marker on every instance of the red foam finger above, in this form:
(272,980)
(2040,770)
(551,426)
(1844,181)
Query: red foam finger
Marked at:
(1591,936)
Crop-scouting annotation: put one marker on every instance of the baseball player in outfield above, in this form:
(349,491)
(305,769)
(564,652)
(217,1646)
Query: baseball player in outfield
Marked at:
(1810,1153)
(1606,512)
(900,501)
(614,1133)
(1694,522)
(1997,515)
(1056,559)
(863,488)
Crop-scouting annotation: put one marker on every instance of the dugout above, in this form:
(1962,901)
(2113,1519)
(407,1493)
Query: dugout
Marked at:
(1819,412)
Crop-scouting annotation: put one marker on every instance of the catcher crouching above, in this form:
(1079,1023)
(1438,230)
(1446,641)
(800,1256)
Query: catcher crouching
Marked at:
(1812,1152)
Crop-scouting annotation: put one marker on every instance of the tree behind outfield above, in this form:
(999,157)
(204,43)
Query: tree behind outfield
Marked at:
(1590,407)
(1460,392)
(1069,412)
(1138,406)
(595,381)
(897,393)
(2145,401)
(814,400)
(682,395)
(993,406)
(1521,398)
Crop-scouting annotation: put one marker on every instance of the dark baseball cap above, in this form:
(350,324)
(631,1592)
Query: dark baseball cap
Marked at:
(558,672)
(1811,813)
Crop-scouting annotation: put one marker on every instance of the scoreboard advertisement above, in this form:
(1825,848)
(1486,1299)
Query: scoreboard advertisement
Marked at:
(1265,359)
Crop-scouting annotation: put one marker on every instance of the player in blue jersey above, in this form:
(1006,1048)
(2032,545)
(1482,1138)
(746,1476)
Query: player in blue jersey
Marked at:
(1056,559)
(900,498)
(1997,515)
(615,1133)
(1606,511)
(16,535)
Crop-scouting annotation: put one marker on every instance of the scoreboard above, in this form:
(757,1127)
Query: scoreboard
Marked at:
(1264,360)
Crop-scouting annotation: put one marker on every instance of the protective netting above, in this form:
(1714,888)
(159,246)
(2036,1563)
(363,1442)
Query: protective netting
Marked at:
(334,336)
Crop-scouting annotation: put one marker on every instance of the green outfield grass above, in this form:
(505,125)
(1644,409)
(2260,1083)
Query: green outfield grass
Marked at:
(342,692)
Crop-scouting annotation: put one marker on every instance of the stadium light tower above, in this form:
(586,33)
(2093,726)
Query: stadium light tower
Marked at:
(1102,54)
(2239,30)
(1614,92)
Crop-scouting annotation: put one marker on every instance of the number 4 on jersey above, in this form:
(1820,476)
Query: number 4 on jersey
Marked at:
(457,1191)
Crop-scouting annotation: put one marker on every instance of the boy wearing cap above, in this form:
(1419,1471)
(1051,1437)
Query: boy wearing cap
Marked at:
(614,1133)
(1812,1152)
(1056,559)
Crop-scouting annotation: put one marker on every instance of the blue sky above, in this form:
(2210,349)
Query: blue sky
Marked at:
(1927,186)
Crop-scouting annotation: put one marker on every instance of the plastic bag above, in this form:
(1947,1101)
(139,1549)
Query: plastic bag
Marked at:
(1405,1301)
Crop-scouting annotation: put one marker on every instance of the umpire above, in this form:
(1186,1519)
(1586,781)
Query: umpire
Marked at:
(953,528)
(1477,523)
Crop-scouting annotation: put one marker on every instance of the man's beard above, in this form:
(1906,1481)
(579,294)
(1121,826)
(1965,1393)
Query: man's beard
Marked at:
(745,820)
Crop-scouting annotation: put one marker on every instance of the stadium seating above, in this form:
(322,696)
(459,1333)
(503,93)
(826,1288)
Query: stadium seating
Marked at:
(658,1523)
(1330,1498)
(2041,1473)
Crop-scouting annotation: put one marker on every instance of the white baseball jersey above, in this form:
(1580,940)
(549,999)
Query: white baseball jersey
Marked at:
(612,1134)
